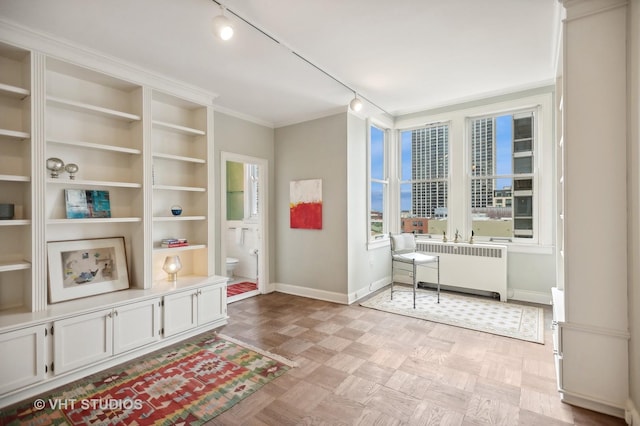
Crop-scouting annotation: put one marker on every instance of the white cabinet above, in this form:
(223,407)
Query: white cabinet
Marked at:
(15,178)
(135,325)
(591,338)
(212,303)
(82,340)
(188,309)
(23,358)
(96,336)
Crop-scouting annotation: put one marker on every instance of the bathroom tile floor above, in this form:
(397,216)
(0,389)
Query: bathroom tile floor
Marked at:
(359,366)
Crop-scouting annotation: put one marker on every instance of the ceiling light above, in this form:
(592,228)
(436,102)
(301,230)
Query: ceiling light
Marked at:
(355,104)
(222,26)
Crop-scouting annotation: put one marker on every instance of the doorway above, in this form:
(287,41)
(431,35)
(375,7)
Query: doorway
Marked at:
(243,242)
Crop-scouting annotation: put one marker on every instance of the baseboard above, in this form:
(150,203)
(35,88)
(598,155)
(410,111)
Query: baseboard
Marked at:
(372,288)
(631,415)
(530,296)
(313,293)
(593,404)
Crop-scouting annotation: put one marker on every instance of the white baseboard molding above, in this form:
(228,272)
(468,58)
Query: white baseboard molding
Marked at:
(593,404)
(372,288)
(530,296)
(631,415)
(312,293)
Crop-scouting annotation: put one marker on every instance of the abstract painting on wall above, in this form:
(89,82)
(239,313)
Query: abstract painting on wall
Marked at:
(305,204)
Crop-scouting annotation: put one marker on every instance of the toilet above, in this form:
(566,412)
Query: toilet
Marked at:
(232,262)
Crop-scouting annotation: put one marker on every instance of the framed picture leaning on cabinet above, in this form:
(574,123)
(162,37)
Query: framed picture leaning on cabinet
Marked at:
(81,268)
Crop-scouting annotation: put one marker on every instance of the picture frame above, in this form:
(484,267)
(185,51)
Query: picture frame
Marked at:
(81,268)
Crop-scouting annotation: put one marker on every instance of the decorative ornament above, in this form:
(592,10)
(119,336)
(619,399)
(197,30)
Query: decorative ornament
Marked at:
(55,165)
(72,169)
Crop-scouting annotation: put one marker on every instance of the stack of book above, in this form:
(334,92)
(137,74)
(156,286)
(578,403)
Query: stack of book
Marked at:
(174,242)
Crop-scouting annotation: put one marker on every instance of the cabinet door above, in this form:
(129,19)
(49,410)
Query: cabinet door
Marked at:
(136,325)
(180,312)
(82,340)
(22,355)
(211,303)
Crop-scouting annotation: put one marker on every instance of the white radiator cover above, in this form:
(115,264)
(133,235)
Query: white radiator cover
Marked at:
(481,267)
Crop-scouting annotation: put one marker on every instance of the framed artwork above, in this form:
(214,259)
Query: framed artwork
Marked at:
(87,203)
(305,204)
(81,268)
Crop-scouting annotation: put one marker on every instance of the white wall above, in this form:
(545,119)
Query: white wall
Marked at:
(313,262)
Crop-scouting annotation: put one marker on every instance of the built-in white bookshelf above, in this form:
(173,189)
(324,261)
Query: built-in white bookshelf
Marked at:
(150,150)
(15,179)
(180,146)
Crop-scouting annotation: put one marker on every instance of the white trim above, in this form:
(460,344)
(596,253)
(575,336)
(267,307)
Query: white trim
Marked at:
(312,293)
(591,403)
(241,116)
(263,220)
(521,295)
(631,414)
(85,57)
(372,288)
(314,116)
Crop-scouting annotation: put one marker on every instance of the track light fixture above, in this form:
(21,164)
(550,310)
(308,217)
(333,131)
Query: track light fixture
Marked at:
(222,26)
(355,104)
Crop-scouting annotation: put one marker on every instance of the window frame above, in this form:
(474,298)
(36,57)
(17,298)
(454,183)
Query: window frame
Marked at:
(536,112)
(446,179)
(383,237)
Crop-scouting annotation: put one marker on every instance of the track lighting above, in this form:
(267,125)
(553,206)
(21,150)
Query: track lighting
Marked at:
(222,26)
(355,104)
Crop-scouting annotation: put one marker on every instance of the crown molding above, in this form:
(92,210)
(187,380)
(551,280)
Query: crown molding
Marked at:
(30,39)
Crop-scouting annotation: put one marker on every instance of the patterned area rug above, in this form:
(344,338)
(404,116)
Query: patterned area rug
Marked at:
(239,288)
(186,384)
(505,319)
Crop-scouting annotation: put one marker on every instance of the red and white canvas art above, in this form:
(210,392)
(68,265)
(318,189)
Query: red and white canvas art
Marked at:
(305,204)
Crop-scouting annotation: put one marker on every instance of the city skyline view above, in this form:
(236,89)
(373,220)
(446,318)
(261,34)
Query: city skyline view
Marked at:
(504,157)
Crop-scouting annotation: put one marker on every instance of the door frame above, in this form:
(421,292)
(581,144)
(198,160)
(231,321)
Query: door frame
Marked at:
(263,217)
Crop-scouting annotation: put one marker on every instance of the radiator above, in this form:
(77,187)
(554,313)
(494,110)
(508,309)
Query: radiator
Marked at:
(479,267)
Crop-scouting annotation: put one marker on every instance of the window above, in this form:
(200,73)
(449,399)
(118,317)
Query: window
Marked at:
(252,208)
(378,183)
(502,176)
(424,173)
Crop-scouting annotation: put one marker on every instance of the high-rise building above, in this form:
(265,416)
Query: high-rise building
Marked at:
(483,162)
(429,170)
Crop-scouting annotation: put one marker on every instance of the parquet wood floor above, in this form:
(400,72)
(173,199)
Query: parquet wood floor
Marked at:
(358,366)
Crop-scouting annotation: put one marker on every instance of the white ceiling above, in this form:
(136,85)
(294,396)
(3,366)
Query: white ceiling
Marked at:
(403,55)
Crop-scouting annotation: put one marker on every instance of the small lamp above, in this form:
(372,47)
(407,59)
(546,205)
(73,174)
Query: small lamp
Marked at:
(171,266)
